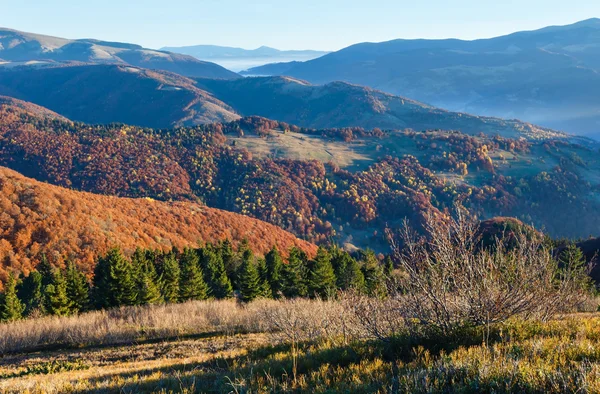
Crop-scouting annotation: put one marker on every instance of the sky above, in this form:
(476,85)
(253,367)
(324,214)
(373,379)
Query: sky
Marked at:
(298,24)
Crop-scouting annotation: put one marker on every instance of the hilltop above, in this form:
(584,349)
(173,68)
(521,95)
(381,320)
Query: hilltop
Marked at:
(110,93)
(21,48)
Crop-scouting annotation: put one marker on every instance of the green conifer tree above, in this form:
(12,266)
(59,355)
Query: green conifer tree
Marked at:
(249,277)
(347,271)
(55,294)
(78,289)
(263,274)
(295,275)
(145,277)
(375,277)
(230,261)
(11,307)
(388,267)
(215,273)
(31,292)
(114,284)
(274,264)
(322,280)
(352,277)
(170,276)
(46,270)
(192,285)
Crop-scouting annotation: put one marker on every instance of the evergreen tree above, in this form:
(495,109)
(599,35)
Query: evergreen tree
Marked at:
(295,275)
(114,284)
(170,275)
(46,270)
(229,259)
(55,294)
(375,277)
(274,264)
(31,292)
(347,271)
(250,283)
(263,274)
(144,273)
(322,280)
(192,285)
(388,267)
(148,291)
(352,277)
(215,273)
(77,288)
(11,307)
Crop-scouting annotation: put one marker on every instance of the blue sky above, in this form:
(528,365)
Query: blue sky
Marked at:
(299,24)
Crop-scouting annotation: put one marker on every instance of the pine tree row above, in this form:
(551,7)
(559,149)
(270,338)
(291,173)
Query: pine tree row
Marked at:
(211,272)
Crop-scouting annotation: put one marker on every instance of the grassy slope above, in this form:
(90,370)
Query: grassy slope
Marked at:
(555,357)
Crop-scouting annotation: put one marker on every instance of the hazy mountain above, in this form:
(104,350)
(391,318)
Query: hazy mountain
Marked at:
(158,99)
(19,47)
(110,93)
(340,104)
(238,59)
(548,76)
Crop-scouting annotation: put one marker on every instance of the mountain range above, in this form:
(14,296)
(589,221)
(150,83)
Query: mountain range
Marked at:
(548,76)
(20,48)
(159,99)
(238,59)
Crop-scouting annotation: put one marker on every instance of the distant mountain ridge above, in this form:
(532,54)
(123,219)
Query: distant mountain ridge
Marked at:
(238,59)
(21,47)
(548,76)
(218,52)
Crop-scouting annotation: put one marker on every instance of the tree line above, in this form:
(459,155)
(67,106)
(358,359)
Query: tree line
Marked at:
(215,271)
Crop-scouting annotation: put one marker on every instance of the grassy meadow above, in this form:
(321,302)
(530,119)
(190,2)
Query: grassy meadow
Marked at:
(289,346)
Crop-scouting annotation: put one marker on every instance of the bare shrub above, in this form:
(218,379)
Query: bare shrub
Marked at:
(453,281)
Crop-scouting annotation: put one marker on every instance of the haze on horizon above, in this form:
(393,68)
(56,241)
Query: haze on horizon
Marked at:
(310,24)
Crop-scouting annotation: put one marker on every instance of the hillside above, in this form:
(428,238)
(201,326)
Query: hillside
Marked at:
(342,184)
(344,105)
(547,77)
(109,93)
(21,47)
(40,218)
(238,59)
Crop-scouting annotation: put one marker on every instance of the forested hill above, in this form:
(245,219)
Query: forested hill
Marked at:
(63,224)
(344,185)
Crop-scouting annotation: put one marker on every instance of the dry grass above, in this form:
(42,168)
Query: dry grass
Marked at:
(231,348)
(135,324)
